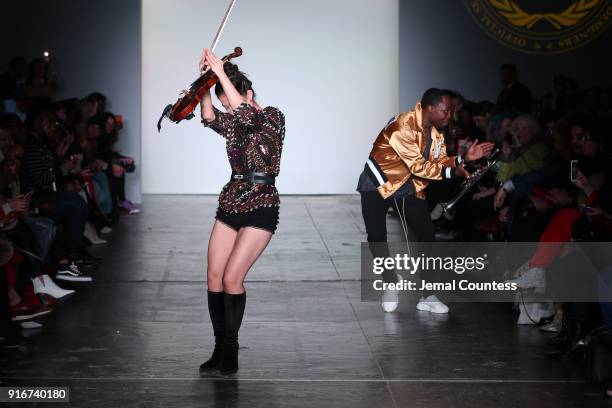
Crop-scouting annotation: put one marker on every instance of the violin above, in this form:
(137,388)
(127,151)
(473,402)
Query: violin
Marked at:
(185,105)
(188,100)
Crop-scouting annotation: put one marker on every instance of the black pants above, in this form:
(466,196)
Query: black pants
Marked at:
(414,211)
(8,329)
(117,187)
(69,211)
(23,238)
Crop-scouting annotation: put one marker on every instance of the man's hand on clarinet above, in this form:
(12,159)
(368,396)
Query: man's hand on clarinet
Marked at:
(478,150)
(460,171)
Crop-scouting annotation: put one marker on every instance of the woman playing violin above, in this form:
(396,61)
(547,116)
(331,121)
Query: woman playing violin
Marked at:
(248,210)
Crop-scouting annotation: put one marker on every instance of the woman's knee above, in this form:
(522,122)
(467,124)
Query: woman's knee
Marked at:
(213,275)
(232,283)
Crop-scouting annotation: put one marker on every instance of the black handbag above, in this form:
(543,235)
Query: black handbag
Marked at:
(598,355)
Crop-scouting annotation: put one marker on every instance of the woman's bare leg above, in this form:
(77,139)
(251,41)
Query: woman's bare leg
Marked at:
(249,245)
(220,246)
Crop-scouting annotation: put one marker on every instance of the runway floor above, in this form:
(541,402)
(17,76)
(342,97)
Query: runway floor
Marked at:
(136,336)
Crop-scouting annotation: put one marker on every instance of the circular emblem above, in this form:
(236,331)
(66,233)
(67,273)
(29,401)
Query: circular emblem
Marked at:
(543,26)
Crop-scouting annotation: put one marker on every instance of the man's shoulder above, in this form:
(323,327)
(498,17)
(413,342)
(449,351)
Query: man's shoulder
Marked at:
(408,120)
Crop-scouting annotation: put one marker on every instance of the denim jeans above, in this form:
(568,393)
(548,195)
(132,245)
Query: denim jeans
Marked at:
(44,230)
(103,193)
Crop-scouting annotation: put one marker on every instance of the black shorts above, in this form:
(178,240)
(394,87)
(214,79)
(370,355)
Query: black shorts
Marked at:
(264,218)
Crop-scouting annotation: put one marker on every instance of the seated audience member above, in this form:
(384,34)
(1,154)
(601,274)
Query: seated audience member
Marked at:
(67,209)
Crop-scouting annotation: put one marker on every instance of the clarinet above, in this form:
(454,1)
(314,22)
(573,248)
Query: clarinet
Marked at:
(471,181)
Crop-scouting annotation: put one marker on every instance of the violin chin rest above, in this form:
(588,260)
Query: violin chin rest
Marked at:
(188,117)
(163,115)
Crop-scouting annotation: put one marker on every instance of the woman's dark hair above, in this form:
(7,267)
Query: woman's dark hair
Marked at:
(484,107)
(238,79)
(97,120)
(586,123)
(100,99)
(37,113)
(114,135)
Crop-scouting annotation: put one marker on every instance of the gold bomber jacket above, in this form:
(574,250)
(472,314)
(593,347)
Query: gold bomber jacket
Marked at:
(398,155)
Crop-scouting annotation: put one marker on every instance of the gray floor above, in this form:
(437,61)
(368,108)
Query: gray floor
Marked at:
(136,336)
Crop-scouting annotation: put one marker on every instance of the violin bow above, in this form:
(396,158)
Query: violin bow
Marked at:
(222,26)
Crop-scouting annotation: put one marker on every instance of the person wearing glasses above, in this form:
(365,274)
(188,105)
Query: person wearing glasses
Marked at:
(407,154)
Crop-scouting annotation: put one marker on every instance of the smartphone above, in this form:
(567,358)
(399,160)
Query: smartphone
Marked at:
(573,170)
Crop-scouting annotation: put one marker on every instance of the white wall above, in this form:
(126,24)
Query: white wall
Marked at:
(330,65)
(95,46)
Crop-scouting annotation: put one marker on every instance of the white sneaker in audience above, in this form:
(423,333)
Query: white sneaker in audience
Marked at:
(71,272)
(390,298)
(432,304)
(44,284)
(106,230)
(92,235)
(30,325)
(446,235)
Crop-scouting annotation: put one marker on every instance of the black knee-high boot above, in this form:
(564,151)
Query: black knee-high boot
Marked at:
(234,310)
(216,309)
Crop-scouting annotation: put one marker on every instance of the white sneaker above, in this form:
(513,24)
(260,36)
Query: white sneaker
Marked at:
(446,236)
(106,230)
(30,325)
(71,273)
(92,235)
(432,304)
(44,284)
(390,298)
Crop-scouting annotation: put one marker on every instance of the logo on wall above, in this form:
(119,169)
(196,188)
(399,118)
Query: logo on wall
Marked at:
(542,27)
